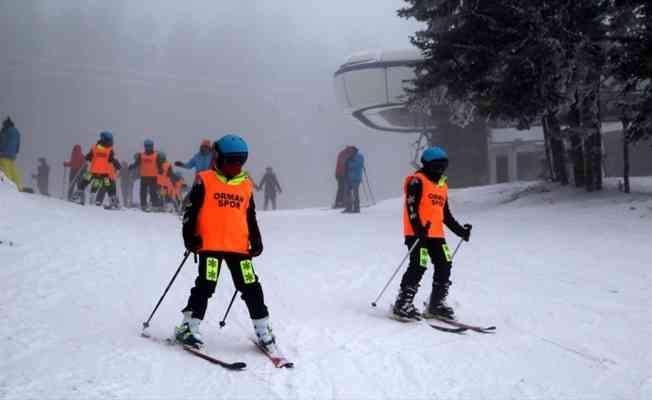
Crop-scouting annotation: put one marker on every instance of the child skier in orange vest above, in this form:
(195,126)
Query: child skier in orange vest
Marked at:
(425,213)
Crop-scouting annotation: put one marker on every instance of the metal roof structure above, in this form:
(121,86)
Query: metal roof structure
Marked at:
(371,86)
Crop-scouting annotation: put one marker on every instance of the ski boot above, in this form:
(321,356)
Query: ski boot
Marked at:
(188,332)
(266,338)
(114,203)
(404,309)
(437,306)
(78,197)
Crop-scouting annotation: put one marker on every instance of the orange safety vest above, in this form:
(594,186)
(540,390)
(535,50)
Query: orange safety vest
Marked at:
(148,165)
(177,188)
(222,221)
(100,164)
(431,206)
(163,180)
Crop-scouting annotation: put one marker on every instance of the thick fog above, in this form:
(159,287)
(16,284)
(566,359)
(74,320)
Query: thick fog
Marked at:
(178,72)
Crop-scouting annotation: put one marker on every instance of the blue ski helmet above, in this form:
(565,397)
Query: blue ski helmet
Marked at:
(162,156)
(231,147)
(106,136)
(434,161)
(433,153)
(148,143)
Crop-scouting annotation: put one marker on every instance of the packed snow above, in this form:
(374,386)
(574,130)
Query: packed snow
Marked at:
(564,275)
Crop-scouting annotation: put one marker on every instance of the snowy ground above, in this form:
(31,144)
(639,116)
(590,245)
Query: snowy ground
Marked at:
(564,275)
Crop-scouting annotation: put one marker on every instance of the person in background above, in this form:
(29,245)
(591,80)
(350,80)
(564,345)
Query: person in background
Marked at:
(180,189)
(148,165)
(354,171)
(75,164)
(9,148)
(270,184)
(201,161)
(340,176)
(102,164)
(42,176)
(164,181)
(127,178)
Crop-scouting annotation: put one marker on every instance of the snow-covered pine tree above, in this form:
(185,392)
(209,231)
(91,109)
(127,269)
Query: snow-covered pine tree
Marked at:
(631,63)
(518,61)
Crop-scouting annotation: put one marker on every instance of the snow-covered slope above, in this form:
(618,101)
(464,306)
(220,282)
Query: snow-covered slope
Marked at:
(564,275)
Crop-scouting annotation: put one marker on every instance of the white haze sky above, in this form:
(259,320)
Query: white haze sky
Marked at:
(178,72)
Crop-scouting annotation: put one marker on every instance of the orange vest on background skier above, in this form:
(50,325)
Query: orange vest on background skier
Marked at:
(163,180)
(148,165)
(222,221)
(177,188)
(100,164)
(431,205)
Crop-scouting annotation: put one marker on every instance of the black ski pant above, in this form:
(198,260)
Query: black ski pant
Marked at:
(243,276)
(340,196)
(105,187)
(434,248)
(97,182)
(270,198)
(148,185)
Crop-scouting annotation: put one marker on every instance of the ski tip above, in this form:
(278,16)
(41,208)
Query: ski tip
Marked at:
(239,365)
(145,334)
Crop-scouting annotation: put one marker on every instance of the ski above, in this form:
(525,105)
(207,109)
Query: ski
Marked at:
(276,358)
(475,328)
(453,322)
(458,329)
(235,366)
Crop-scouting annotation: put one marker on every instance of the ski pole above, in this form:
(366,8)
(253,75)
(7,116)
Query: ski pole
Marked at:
(456,248)
(416,242)
(468,226)
(223,321)
(373,201)
(185,257)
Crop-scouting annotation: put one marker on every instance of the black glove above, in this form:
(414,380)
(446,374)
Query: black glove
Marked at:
(256,248)
(421,231)
(192,243)
(466,235)
(178,164)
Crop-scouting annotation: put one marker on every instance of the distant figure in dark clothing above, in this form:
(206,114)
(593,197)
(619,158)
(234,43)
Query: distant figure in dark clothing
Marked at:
(42,176)
(354,171)
(271,186)
(127,179)
(75,164)
(340,176)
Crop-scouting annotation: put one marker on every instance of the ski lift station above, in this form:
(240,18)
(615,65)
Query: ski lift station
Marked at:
(371,87)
